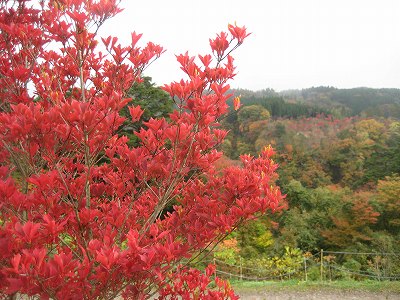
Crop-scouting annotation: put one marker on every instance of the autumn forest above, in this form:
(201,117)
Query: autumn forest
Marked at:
(338,152)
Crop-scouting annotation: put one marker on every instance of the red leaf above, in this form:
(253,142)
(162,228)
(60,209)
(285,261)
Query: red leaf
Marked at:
(136,112)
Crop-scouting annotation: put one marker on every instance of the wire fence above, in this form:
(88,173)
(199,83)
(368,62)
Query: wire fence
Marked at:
(323,265)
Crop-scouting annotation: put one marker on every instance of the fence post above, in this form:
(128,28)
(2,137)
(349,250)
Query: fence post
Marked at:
(305,268)
(322,265)
(241,268)
(215,274)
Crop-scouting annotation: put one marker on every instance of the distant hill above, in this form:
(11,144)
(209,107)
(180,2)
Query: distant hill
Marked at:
(278,106)
(349,102)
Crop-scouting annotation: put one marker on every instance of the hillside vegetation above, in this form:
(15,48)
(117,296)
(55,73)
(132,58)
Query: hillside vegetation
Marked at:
(339,166)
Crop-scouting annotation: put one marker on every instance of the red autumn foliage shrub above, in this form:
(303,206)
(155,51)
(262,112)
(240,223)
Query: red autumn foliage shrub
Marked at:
(84,216)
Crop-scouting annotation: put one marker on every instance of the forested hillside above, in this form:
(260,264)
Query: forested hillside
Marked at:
(366,102)
(339,164)
(350,102)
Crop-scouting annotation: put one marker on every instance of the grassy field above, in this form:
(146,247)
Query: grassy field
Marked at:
(295,285)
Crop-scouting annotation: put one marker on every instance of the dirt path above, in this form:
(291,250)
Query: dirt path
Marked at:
(318,295)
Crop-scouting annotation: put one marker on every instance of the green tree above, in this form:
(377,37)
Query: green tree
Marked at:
(155,103)
(255,239)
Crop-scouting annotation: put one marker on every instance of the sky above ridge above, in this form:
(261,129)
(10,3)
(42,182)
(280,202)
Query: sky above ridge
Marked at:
(294,43)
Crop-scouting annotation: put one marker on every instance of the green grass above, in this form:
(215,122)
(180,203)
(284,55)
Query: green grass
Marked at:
(295,285)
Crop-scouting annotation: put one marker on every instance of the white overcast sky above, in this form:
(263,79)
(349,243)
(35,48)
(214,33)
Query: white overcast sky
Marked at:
(294,43)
